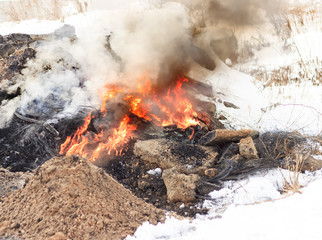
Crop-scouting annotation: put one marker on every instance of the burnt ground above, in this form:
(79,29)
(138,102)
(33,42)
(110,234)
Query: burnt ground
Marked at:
(26,145)
(28,142)
(131,172)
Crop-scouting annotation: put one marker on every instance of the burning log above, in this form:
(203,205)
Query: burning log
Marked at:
(220,136)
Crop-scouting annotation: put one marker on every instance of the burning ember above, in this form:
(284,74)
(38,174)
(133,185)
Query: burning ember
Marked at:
(163,108)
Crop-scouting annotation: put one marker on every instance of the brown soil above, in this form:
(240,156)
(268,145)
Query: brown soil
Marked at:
(71,198)
(11,181)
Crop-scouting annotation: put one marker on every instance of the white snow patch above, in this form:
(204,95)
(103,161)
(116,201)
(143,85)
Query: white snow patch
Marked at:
(33,26)
(294,107)
(155,172)
(251,220)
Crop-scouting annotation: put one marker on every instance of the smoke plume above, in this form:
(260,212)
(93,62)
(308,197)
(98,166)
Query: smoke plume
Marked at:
(122,43)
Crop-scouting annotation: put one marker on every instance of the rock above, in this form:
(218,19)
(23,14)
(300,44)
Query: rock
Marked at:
(222,118)
(230,105)
(201,57)
(220,136)
(228,62)
(180,187)
(168,154)
(208,107)
(1,39)
(247,148)
(211,172)
(224,43)
(200,87)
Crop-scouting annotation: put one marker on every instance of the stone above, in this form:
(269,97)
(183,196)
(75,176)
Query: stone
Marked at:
(247,148)
(201,56)
(230,105)
(180,187)
(220,136)
(168,154)
(211,172)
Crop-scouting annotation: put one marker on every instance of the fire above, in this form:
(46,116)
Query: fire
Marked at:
(119,137)
(161,108)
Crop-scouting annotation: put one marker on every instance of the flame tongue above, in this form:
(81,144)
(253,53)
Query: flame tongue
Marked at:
(170,108)
(119,137)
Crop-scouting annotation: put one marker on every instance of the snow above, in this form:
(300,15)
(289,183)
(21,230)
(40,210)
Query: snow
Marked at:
(32,26)
(293,107)
(250,216)
(255,207)
(296,106)
(156,172)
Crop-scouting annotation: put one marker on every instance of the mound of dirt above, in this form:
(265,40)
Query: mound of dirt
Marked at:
(11,181)
(71,198)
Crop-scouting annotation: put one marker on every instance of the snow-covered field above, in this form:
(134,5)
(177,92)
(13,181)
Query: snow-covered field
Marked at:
(251,209)
(256,207)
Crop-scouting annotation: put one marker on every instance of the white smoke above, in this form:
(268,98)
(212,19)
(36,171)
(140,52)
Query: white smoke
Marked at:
(67,75)
(154,37)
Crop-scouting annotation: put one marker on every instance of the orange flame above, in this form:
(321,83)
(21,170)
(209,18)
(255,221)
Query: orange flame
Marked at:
(119,138)
(111,92)
(163,109)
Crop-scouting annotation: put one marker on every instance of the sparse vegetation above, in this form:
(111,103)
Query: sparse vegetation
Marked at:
(294,165)
(45,9)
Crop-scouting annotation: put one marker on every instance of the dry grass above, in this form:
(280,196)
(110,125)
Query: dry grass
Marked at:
(294,165)
(43,9)
(291,74)
(299,28)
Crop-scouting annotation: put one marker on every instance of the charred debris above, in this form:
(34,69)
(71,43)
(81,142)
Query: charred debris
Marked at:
(189,162)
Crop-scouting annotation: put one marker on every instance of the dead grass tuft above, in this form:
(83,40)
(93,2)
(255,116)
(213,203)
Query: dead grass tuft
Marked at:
(294,165)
